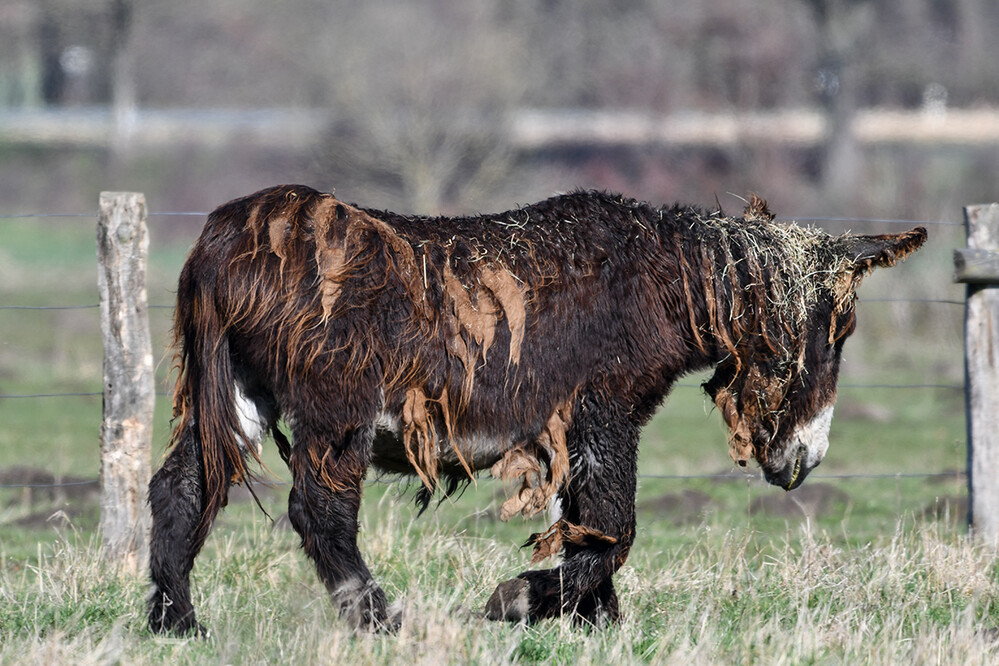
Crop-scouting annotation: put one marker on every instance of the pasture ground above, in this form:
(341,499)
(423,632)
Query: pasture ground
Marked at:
(845,570)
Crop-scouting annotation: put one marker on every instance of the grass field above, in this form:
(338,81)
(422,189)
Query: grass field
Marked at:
(875,569)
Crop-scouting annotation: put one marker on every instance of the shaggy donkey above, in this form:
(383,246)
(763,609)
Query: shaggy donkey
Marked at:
(534,343)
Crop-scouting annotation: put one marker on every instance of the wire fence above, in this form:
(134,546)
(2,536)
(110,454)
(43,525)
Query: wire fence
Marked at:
(728,476)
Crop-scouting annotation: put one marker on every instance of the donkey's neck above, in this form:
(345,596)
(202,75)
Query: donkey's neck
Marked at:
(744,286)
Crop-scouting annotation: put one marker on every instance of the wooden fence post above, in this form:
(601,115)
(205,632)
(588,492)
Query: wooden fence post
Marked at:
(126,428)
(978,267)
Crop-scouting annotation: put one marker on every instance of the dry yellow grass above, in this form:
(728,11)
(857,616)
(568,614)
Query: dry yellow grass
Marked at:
(920,595)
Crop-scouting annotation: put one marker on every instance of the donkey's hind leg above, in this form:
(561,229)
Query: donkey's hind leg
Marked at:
(180,527)
(599,497)
(323,506)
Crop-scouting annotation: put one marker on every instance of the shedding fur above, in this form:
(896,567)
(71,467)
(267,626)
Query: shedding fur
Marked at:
(548,543)
(504,288)
(534,343)
(524,463)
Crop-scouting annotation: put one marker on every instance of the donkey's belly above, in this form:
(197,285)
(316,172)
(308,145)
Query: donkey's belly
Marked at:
(480,452)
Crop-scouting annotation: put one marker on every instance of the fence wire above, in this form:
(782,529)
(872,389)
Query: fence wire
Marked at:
(780,218)
(730,476)
(725,476)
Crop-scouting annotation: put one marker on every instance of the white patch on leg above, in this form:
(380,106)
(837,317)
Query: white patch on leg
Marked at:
(251,422)
(358,605)
(554,510)
(510,601)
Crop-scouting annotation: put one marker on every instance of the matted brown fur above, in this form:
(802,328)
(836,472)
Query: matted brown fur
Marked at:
(312,234)
(534,343)
(757,281)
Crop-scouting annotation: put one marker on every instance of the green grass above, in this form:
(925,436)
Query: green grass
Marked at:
(720,595)
(874,569)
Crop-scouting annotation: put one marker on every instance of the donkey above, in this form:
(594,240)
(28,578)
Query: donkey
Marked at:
(533,343)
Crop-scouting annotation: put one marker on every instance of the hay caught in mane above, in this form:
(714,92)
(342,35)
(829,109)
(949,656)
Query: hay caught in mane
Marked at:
(760,281)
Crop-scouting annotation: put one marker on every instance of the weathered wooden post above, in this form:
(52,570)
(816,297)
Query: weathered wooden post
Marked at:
(126,428)
(978,267)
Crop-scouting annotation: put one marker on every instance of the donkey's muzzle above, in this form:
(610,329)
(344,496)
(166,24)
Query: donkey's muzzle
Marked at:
(791,475)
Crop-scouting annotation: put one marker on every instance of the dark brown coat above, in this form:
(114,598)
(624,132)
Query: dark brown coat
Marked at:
(533,343)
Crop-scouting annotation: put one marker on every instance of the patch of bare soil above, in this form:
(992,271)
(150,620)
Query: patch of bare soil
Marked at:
(58,518)
(955,476)
(951,509)
(682,508)
(808,501)
(48,500)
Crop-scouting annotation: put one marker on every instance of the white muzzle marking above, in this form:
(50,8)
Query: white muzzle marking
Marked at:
(812,438)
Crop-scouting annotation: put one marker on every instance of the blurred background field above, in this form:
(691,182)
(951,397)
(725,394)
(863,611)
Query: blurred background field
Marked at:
(861,115)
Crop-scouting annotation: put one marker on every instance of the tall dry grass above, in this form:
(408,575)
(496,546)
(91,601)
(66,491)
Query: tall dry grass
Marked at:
(920,595)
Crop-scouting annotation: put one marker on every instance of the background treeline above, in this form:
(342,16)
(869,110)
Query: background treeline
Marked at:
(418,93)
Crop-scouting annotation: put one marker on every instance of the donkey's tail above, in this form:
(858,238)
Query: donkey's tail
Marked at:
(204,399)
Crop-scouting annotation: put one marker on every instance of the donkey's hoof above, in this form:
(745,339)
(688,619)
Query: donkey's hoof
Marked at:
(373,620)
(392,621)
(181,629)
(510,601)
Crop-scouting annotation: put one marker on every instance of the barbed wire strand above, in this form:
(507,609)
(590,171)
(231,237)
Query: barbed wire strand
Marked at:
(780,218)
(681,477)
(726,476)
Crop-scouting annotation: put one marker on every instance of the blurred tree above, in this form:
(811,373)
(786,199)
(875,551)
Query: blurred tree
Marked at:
(124,105)
(421,119)
(842,27)
(18,52)
(75,41)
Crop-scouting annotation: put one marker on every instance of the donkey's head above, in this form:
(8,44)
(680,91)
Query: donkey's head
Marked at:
(776,385)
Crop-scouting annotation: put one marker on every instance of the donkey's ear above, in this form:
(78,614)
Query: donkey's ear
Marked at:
(869,252)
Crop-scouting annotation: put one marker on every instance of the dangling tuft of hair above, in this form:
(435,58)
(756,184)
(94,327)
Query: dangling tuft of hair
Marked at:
(454,487)
(757,211)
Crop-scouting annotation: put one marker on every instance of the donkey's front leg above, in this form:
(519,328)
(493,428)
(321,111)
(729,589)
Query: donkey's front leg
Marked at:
(596,530)
(322,507)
